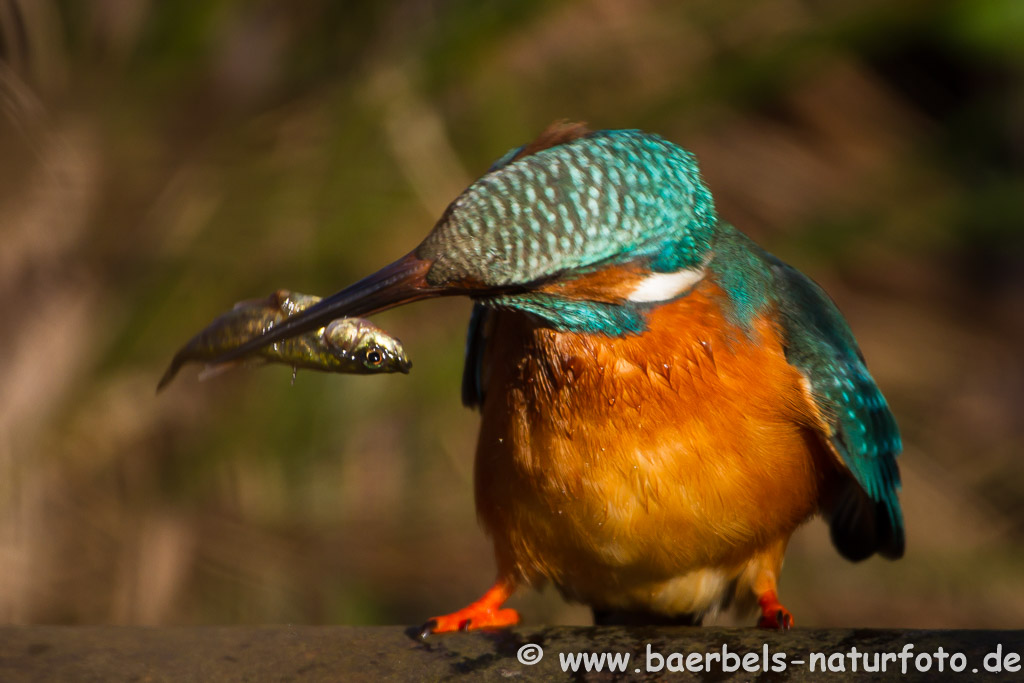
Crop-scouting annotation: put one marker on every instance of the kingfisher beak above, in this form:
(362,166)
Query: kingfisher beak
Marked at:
(399,283)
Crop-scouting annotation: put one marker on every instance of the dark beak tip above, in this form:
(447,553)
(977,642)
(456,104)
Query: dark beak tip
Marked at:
(168,375)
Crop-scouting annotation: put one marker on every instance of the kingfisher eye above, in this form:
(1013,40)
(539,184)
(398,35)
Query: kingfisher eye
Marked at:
(374,358)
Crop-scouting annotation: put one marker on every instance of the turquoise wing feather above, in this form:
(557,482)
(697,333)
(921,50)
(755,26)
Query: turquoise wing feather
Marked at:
(862,429)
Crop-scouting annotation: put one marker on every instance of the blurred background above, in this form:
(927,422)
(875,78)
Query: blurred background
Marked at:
(161,160)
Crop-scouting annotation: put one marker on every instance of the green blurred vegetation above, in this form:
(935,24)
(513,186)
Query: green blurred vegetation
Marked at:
(160,161)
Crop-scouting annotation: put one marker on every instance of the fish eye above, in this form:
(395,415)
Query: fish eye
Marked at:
(374,358)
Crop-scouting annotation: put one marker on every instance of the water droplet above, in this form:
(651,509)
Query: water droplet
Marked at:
(611,402)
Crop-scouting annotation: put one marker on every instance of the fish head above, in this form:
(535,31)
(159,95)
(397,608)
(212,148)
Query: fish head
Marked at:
(364,348)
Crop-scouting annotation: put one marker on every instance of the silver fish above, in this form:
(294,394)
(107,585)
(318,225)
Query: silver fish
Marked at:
(348,345)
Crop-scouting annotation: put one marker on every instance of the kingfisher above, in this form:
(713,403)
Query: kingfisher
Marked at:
(663,402)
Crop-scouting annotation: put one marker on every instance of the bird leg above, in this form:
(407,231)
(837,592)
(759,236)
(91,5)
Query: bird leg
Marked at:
(484,613)
(762,571)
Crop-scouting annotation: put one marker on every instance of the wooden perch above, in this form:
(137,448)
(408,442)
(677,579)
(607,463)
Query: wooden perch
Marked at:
(391,653)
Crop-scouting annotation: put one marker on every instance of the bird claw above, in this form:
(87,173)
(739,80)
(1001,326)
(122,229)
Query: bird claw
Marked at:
(779,619)
(472,618)
(427,629)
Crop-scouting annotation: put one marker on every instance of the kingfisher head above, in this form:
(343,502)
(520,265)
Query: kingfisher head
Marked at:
(585,230)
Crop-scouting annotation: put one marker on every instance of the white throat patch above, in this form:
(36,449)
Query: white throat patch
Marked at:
(665,286)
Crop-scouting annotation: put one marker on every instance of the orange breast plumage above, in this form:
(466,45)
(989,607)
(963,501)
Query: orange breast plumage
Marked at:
(657,471)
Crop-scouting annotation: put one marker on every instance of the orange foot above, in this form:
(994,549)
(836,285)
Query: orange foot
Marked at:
(484,613)
(773,614)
